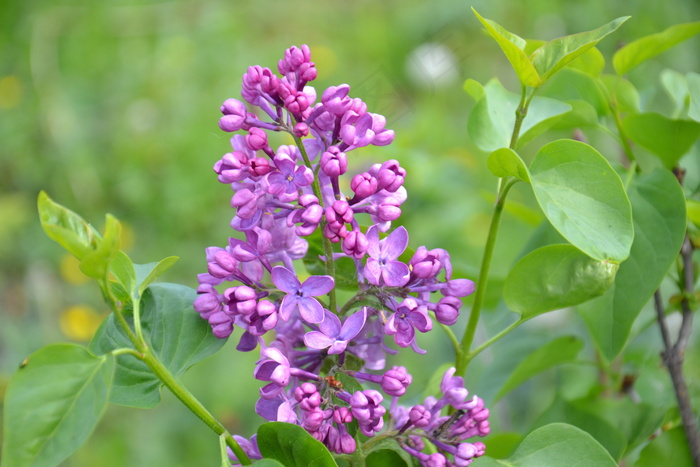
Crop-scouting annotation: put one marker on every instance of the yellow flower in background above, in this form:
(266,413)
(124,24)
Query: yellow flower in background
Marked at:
(79,322)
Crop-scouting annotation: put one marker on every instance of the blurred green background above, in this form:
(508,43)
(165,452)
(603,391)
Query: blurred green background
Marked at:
(113,107)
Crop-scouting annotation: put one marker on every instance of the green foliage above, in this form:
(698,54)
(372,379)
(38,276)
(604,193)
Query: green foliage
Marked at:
(667,138)
(53,403)
(659,223)
(492,118)
(641,50)
(555,277)
(560,350)
(583,198)
(553,446)
(176,335)
(578,414)
(292,446)
(505,162)
(535,69)
(670,448)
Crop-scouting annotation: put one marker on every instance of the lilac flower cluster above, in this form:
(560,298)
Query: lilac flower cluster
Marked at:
(320,349)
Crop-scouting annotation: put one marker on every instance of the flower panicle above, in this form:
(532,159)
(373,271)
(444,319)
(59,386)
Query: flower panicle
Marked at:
(285,197)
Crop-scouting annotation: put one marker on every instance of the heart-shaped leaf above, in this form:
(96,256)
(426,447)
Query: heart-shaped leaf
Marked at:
(553,446)
(176,334)
(53,403)
(658,205)
(584,199)
(292,446)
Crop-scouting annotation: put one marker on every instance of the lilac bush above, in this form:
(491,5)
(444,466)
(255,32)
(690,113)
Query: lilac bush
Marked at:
(319,352)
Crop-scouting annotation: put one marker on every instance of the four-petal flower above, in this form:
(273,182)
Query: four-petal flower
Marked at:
(300,295)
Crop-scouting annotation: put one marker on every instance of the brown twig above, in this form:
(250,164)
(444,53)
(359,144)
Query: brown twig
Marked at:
(673,354)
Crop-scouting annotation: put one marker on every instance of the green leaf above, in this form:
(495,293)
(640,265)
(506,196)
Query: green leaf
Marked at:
(176,334)
(96,262)
(502,445)
(66,228)
(577,413)
(388,453)
(560,350)
(556,54)
(676,85)
(492,119)
(636,421)
(573,85)
(590,62)
(265,463)
(636,52)
(553,446)
(292,446)
(514,48)
(584,199)
(670,448)
(555,277)
(505,162)
(658,205)
(123,270)
(621,94)
(667,138)
(53,403)
(147,273)
(694,91)
(386,458)
(693,209)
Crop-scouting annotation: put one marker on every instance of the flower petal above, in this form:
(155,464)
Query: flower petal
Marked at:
(315,286)
(373,240)
(317,340)
(353,325)
(330,326)
(311,311)
(285,280)
(396,274)
(395,244)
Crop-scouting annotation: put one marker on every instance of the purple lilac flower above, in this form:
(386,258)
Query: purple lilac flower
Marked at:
(250,448)
(300,296)
(404,322)
(332,335)
(280,197)
(382,266)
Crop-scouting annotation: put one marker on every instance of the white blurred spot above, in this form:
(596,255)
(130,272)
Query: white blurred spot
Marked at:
(432,65)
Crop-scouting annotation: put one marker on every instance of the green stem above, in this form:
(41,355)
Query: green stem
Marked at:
(327,247)
(453,338)
(144,354)
(495,338)
(623,135)
(194,405)
(468,338)
(462,358)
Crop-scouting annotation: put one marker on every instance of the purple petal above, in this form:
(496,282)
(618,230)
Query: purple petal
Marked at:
(247,342)
(405,334)
(317,340)
(338,347)
(353,325)
(420,319)
(395,244)
(315,286)
(395,274)
(289,304)
(285,280)
(311,311)
(373,271)
(373,240)
(330,325)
